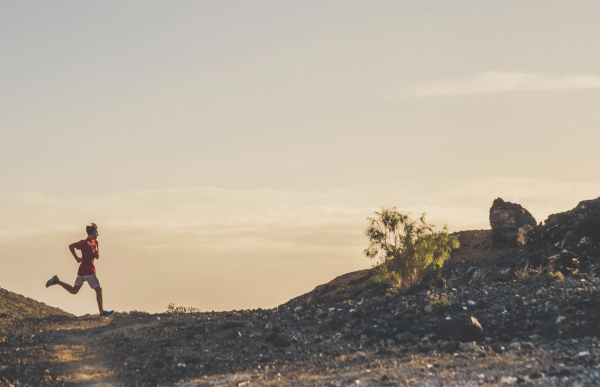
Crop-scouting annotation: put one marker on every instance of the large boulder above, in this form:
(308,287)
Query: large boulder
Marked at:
(510,224)
(462,329)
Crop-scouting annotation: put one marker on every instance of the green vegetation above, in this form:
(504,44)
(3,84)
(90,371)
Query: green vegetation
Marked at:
(404,249)
(172,309)
(440,304)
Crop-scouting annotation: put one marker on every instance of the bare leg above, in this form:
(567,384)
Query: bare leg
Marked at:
(99,299)
(69,288)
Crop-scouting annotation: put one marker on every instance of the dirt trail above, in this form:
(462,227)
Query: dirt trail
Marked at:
(84,357)
(55,352)
(83,364)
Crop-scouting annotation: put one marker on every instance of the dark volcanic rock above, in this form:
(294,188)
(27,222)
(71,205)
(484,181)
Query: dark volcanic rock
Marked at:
(398,323)
(234,335)
(281,342)
(271,337)
(462,329)
(232,325)
(418,288)
(572,226)
(510,224)
(450,347)
(510,215)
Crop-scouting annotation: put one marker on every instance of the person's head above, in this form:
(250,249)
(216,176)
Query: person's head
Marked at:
(92,231)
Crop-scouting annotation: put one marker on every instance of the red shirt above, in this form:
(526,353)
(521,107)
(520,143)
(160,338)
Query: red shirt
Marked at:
(88,248)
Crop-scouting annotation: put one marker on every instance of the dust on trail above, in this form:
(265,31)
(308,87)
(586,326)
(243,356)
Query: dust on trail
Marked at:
(81,367)
(78,360)
(61,351)
(82,357)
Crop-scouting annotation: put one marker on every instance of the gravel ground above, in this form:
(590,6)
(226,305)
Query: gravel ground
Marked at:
(534,332)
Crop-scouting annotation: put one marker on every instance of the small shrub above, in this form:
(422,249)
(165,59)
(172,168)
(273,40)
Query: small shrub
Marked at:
(523,274)
(557,276)
(404,249)
(440,304)
(172,309)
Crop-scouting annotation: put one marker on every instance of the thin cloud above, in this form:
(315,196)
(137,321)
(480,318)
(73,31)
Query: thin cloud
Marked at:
(498,82)
(36,198)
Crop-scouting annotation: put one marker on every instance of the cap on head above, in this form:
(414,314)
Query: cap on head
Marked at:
(91,229)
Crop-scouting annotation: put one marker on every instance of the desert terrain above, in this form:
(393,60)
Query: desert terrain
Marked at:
(517,304)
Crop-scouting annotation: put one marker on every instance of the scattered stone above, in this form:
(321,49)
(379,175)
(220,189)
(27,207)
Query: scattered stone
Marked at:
(516,346)
(234,335)
(450,347)
(468,347)
(562,373)
(536,375)
(232,325)
(418,289)
(462,329)
(281,342)
(399,325)
(508,380)
(406,337)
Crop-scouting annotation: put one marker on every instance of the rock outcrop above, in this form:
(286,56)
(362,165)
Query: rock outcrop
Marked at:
(567,242)
(579,226)
(510,224)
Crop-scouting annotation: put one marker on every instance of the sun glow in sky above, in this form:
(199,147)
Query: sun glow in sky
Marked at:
(230,152)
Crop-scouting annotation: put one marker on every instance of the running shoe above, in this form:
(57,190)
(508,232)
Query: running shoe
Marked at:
(107,313)
(52,281)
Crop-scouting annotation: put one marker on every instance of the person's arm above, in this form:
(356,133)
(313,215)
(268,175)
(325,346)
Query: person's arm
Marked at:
(72,249)
(97,255)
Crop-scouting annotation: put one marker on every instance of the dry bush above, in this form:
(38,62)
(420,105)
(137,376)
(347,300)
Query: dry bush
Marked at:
(556,276)
(173,309)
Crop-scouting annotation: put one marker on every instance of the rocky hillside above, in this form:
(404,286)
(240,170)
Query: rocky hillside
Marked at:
(514,248)
(475,246)
(535,332)
(355,285)
(16,305)
(568,242)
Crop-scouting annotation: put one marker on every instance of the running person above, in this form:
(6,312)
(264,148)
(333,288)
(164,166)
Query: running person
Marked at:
(87,271)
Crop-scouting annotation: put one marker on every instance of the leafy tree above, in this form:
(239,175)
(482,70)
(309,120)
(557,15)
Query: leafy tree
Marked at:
(404,249)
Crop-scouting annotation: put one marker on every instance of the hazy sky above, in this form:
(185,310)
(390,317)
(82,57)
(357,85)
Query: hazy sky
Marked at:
(231,151)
